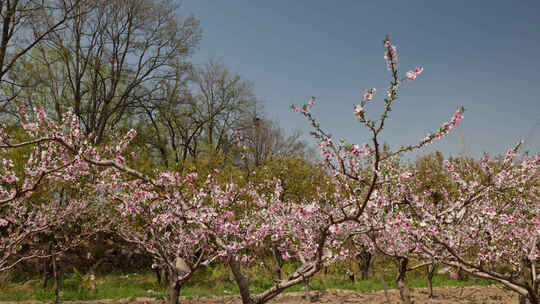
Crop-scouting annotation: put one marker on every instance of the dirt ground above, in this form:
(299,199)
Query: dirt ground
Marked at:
(443,295)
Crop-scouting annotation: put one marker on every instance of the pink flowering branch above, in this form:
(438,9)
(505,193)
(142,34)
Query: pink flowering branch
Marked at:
(345,161)
(57,158)
(490,220)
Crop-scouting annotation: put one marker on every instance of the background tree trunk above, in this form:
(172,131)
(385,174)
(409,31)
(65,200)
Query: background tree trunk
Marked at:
(46,273)
(55,275)
(364,264)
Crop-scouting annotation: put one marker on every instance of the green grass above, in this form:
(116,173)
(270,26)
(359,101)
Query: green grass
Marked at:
(108,287)
(210,282)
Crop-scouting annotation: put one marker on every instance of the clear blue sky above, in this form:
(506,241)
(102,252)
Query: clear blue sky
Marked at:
(483,55)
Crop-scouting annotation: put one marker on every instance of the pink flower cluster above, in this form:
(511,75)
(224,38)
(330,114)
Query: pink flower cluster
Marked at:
(368,96)
(56,160)
(411,75)
(359,111)
(483,218)
(390,55)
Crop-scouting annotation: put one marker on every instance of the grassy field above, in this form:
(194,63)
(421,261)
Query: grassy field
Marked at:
(210,282)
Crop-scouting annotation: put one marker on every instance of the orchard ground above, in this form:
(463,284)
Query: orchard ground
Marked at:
(444,295)
(214,287)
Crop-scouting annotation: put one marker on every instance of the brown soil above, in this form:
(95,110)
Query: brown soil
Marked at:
(443,295)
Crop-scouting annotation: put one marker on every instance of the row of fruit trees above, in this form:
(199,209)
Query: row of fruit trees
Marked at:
(484,220)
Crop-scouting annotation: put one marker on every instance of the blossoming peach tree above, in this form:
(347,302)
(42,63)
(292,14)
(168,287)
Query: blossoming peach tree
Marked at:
(175,219)
(369,176)
(486,221)
(42,184)
(185,222)
(488,225)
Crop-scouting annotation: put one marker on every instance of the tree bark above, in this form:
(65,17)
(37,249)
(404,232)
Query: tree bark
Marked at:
(430,272)
(55,275)
(404,292)
(364,264)
(47,267)
(279,261)
(241,281)
(385,288)
(533,298)
(46,273)
(308,298)
(157,271)
(174,291)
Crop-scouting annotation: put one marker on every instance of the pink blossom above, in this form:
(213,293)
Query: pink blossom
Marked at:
(358,109)
(411,75)
(368,96)
(132,133)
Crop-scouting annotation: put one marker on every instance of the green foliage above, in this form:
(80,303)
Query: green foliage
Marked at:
(74,287)
(211,282)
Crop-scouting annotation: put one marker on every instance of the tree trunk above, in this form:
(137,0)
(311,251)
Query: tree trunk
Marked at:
(350,274)
(404,292)
(93,272)
(430,272)
(533,298)
(46,273)
(308,298)
(279,261)
(241,281)
(174,291)
(157,271)
(532,295)
(165,276)
(278,273)
(364,264)
(47,267)
(55,275)
(385,288)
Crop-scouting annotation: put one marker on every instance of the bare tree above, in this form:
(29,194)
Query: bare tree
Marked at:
(263,140)
(110,51)
(169,113)
(224,100)
(24,23)
(189,115)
